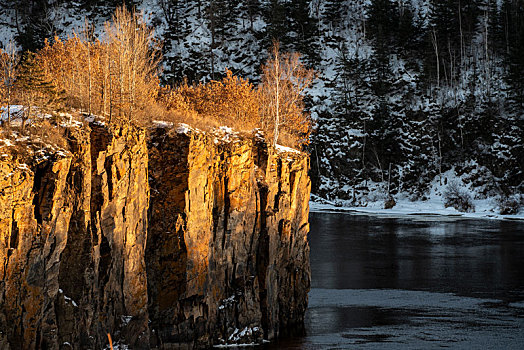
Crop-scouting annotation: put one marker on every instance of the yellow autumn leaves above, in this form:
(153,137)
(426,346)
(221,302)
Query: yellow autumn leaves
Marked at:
(116,75)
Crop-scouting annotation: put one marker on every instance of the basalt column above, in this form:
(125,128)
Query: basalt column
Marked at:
(227,252)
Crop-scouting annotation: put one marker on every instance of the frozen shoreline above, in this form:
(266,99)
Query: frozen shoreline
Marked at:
(406,208)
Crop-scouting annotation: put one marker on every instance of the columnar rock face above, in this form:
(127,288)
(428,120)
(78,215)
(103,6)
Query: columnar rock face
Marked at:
(72,240)
(227,252)
(186,239)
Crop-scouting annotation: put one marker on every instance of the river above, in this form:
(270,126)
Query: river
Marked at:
(413,283)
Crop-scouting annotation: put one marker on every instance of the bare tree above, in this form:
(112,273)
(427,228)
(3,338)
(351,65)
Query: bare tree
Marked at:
(137,59)
(8,61)
(434,41)
(86,43)
(116,74)
(284,82)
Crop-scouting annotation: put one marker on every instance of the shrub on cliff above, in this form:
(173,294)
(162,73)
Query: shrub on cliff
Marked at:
(38,139)
(232,100)
(117,76)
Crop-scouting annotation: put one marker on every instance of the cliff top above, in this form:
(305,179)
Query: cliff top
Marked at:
(48,135)
(223,134)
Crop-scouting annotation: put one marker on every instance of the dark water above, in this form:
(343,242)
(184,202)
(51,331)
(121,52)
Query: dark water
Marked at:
(413,283)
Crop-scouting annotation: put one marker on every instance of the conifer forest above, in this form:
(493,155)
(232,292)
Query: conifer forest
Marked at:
(398,94)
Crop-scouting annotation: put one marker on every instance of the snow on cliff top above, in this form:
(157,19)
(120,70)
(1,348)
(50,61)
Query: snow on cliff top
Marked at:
(162,124)
(16,113)
(284,149)
(223,133)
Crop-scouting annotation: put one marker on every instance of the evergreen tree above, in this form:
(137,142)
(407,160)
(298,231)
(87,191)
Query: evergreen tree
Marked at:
(409,36)
(277,24)
(35,87)
(383,21)
(252,10)
(35,24)
(305,31)
(333,15)
(515,53)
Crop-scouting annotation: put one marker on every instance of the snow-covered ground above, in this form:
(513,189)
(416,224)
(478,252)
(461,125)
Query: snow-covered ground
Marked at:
(487,207)
(484,209)
(16,112)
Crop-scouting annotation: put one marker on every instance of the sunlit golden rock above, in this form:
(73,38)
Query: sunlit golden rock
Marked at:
(183,238)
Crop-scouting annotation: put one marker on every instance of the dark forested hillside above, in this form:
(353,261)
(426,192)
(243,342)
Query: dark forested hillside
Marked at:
(407,90)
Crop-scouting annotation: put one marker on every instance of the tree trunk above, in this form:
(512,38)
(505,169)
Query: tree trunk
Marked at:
(277,97)
(435,47)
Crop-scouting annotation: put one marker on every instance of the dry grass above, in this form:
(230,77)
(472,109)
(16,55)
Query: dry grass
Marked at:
(41,137)
(118,78)
(50,133)
(210,123)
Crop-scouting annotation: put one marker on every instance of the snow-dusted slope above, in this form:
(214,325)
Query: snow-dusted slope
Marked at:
(386,112)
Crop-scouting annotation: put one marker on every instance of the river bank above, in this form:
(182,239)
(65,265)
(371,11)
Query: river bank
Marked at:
(484,209)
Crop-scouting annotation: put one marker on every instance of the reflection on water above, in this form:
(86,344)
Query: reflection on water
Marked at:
(466,257)
(414,283)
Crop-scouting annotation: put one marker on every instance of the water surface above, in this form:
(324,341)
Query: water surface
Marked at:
(413,282)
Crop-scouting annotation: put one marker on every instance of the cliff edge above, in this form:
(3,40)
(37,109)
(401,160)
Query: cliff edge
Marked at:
(179,238)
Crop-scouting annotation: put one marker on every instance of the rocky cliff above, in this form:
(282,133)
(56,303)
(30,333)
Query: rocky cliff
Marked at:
(184,238)
(73,234)
(227,252)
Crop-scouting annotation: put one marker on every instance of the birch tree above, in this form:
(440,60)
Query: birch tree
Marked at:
(136,57)
(285,79)
(8,62)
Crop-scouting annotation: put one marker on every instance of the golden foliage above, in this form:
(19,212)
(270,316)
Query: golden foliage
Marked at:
(281,95)
(232,99)
(116,76)
(276,106)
